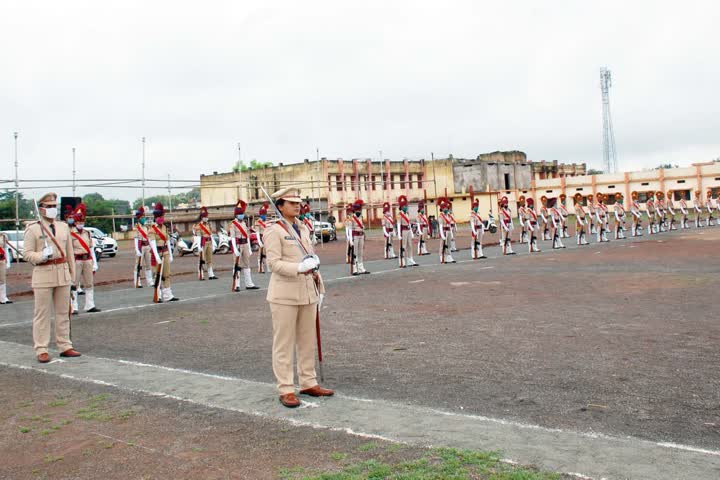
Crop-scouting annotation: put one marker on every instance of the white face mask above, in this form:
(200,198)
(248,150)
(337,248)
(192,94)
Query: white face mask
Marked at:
(50,212)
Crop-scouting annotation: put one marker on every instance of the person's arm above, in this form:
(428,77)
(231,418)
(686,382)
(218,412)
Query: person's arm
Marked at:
(92,253)
(70,254)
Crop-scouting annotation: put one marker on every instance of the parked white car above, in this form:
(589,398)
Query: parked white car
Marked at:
(109,244)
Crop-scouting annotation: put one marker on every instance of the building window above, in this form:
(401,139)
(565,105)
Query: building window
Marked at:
(403,177)
(339,183)
(683,181)
(645,184)
(420,181)
(374,180)
(680,194)
(507,181)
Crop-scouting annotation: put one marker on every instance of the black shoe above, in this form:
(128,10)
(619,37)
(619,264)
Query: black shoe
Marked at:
(81,293)
(482,256)
(6,303)
(93,310)
(237,289)
(366,272)
(254,287)
(356,273)
(74,312)
(415,265)
(213,278)
(139,286)
(174,299)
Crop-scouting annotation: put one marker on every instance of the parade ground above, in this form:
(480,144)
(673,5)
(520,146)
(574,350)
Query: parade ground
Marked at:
(596,362)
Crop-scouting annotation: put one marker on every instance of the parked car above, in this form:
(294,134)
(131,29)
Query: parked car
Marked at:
(16,240)
(109,244)
(325,230)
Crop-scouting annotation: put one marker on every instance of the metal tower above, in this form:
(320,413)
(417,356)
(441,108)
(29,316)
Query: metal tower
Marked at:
(609,152)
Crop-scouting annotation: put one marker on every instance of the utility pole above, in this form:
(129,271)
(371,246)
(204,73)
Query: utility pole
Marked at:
(170,204)
(17,194)
(143,171)
(382,174)
(73,188)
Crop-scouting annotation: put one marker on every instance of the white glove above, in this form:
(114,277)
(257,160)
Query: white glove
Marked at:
(95,267)
(47,253)
(307,264)
(7,263)
(317,259)
(171,255)
(137,248)
(322,299)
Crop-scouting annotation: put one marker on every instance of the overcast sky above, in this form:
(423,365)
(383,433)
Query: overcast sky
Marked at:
(352,78)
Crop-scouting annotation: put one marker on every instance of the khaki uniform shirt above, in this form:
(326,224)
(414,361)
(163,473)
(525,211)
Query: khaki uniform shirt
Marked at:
(77,247)
(287,286)
(48,275)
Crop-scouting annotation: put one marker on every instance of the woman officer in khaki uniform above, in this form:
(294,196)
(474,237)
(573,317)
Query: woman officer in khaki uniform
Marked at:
(48,246)
(295,294)
(162,255)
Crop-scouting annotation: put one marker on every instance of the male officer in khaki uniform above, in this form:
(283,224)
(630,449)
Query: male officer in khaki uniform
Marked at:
(85,262)
(357,227)
(260,226)
(405,234)
(5,262)
(295,294)
(48,246)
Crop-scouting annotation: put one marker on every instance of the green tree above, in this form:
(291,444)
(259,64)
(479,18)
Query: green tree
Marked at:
(7,207)
(97,205)
(254,165)
(665,165)
(190,197)
(593,171)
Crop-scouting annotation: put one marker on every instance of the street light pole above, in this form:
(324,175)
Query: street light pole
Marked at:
(73,189)
(432,158)
(170,204)
(143,172)
(17,193)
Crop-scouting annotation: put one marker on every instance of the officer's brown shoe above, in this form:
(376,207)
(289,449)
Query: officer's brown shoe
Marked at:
(43,358)
(317,391)
(290,400)
(70,353)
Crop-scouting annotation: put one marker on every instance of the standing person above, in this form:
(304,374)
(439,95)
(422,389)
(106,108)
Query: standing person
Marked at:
(580,220)
(660,209)
(260,226)
(85,262)
(240,239)
(453,228)
(683,212)
(545,215)
(698,206)
(556,220)
(445,229)
(506,227)
(637,216)
(563,216)
(307,220)
(670,210)
(350,257)
(423,227)
(388,226)
(162,255)
(405,234)
(601,217)
(522,218)
(651,213)
(358,237)
(619,212)
(48,246)
(5,262)
(477,230)
(204,230)
(710,208)
(591,214)
(295,295)
(531,223)
(142,250)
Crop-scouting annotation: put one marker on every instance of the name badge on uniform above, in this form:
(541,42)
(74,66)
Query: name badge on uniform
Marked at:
(289,238)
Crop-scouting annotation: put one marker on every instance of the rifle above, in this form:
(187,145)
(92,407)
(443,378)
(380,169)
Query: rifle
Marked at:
(201,262)
(261,257)
(236,274)
(444,247)
(158,279)
(351,251)
(319,341)
(401,260)
(136,273)
(387,247)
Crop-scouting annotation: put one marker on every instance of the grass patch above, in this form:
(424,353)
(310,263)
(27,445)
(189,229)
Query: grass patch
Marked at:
(58,403)
(290,473)
(204,322)
(24,430)
(366,447)
(337,456)
(438,464)
(93,414)
(52,458)
(125,414)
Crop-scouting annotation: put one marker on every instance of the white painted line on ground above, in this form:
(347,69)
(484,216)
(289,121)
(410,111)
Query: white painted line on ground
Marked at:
(551,448)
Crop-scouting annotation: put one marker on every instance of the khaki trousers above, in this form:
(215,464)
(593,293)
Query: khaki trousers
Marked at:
(207,254)
(293,330)
(84,273)
(57,298)
(406,243)
(145,253)
(166,269)
(359,246)
(244,258)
